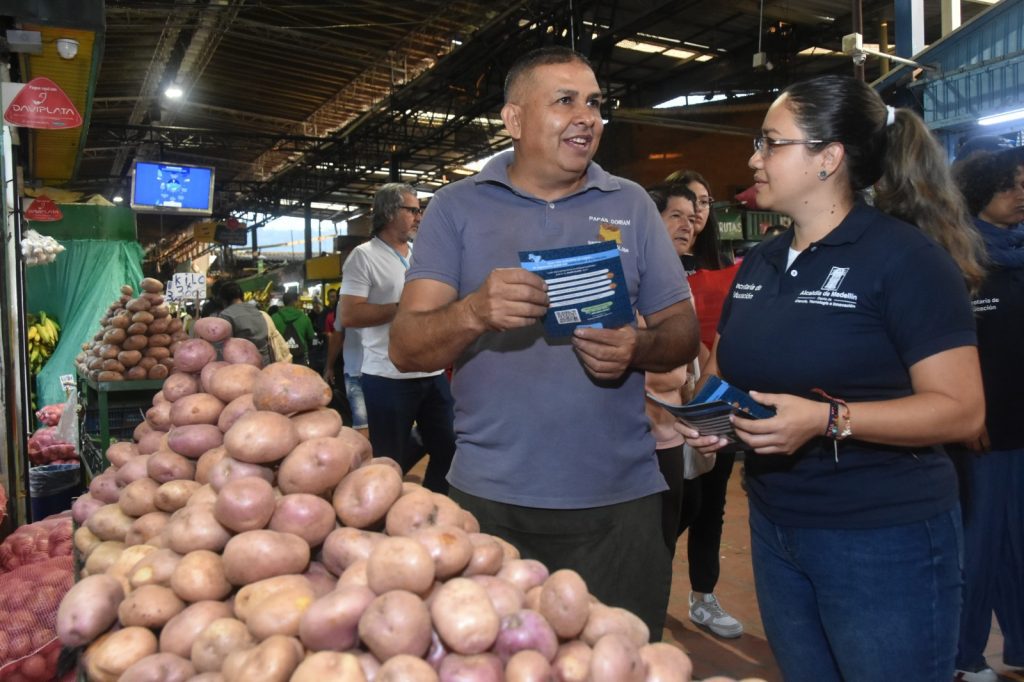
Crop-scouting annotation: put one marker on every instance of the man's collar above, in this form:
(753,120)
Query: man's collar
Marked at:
(496,171)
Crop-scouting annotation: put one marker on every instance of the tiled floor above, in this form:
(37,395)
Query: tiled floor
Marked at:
(749,655)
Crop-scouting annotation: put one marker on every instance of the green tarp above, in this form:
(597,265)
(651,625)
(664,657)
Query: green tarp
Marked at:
(76,289)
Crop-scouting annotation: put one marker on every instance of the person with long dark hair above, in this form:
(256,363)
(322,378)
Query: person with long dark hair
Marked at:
(707,243)
(856,328)
(993,468)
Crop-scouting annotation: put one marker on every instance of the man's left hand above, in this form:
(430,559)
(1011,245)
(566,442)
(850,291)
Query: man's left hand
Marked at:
(605,353)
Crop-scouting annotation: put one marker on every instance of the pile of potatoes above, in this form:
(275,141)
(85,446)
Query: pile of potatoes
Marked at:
(245,534)
(136,339)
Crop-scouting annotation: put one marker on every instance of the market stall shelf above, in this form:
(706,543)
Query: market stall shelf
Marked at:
(110,410)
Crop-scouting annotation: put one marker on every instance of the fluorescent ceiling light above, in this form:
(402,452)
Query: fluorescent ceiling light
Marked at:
(174,91)
(1005,117)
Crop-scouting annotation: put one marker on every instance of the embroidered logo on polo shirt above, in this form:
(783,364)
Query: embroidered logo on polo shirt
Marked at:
(829,294)
(610,230)
(745,292)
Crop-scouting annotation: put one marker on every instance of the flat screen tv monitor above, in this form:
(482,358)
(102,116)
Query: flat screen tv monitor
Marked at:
(172,188)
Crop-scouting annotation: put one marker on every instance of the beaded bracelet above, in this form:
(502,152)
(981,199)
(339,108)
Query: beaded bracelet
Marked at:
(832,430)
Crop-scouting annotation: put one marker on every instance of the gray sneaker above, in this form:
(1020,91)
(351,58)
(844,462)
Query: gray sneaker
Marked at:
(707,613)
(983,675)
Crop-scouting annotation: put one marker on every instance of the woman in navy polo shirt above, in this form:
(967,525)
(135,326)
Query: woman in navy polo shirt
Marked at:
(857,328)
(993,185)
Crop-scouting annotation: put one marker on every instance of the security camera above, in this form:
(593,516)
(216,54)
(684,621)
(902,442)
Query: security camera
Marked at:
(67,48)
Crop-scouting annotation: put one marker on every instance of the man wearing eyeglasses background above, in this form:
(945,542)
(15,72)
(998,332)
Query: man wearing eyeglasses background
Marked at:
(372,281)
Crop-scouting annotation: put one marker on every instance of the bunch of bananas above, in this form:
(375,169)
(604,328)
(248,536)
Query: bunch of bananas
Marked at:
(43,333)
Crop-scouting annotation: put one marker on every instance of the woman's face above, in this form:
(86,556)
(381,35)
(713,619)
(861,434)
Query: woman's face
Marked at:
(679,217)
(1006,208)
(783,175)
(703,206)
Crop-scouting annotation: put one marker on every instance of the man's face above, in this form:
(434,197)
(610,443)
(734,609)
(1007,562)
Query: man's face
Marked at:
(332,297)
(555,118)
(407,218)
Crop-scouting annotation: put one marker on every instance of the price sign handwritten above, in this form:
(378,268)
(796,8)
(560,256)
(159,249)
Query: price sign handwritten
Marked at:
(186,285)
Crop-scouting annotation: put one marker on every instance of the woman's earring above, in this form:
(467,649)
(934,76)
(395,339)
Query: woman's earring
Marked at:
(823,175)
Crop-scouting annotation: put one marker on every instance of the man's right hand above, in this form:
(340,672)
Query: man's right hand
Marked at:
(509,298)
(329,375)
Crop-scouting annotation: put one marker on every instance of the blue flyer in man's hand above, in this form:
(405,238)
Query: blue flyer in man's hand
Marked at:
(586,286)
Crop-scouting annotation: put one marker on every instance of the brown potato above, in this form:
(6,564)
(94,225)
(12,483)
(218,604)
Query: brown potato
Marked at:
(142,317)
(192,355)
(396,623)
(135,342)
(194,527)
(137,305)
(199,576)
(159,340)
(137,373)
(242,352)
(616,659)
(147,528)
(344,546)
(448,546)
(159,353)
(193,440)
(212,329)
(159,324)
(245,504)
(109,376)
(272,660)
(233,381)
(109,351)
(137,498)
(219,638)
(147,363)
(325,666)
(150,285)
(565,603)
(155,568)
(149,606)
(364,496)
(103,556)
(165,465)
(665,663)
(398,563)
(204,496)
(332,621)
(419,509)
(88,609)
(464,617)
(308,516)
(288,388)
(173,495)
(159,668)
(129,358)
(121,319)
(260,437)
(198,408)
(157,372)
(115,336)
(233,410)
(315,466)
(258,554)
(85,541)
(111,655)
(181,631)
(137,329)
(322,422)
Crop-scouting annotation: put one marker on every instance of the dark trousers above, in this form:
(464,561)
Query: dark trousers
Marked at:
(394,405)
(703,514)
(618,549)
(670,463)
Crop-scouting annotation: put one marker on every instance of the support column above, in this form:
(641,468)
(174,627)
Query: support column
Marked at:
(909,27)
(308,228)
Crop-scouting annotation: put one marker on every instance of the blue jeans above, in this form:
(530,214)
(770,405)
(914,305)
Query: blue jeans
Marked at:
(393,406)
(356,403)
(993,557)
(860,605)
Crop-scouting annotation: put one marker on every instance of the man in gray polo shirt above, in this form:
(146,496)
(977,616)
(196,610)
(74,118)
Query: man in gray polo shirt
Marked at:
(554,451)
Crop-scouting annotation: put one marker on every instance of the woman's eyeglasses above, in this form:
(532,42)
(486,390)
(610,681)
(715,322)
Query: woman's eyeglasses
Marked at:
(705,203)
(765,145)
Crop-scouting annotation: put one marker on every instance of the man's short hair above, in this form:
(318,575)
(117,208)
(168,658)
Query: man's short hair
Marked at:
(290,297)
(540,57)
(229,293)
(387,202)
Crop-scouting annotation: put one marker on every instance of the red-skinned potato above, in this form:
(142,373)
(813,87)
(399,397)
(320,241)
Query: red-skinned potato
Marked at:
(524,573)
(151,441)
(314,466)
(179,385)
(120,452)
(565,603)
(233,381)
(280,613)
(160,416)
(332,621)
(206,374)
(355,574)
(207,461)
(419,509)
(109,522)
(487,555)
(159,668)
(83,507)
(180,632)
(272,660)
(245,504)
(464,616)
(242,352)
(147,528)
(362,452)
(288,388)
(322,580)
(233,410)
(404,668)
(395,623)
(230,469)
(604,620)
(344,546)
(308,516)
(528,666)
(323,422)
(167,465)
(88,609)
(212,329)
(204,496)
(329,665)
(616,659)
(198,408)
(398,563)
(524,630)
(505,597)
(194,527)
(194,354)
(449,548)
(219,638)
(132,470)
(475,668)
(111,655)
(665,663)
(173,495)
(105,488)
(364,496)
(195,439)
(258,554)
(260,437)
(137,498)
(199,576)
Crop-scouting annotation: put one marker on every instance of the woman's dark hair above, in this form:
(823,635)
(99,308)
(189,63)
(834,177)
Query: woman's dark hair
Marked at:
(229,293)
(707,250)
(982,175)
(901,158)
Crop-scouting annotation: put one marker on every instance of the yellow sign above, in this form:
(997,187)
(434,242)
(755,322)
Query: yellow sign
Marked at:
(324,267)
